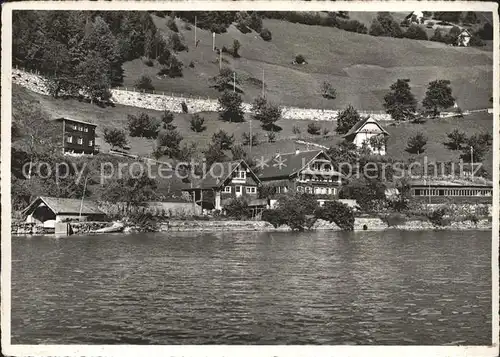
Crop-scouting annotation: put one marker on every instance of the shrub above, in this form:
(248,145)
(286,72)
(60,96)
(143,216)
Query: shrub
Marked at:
(168,143)
(187,26)
(297,210)
(223,139)
(255,23)
(172,25)
(296,130)
(266,34)
(148,62)
(164,57)
(144,83)
(393,219)
(246,139)
(184,107)
(143,126)
(237,208)
(416,32)
(271,136)
(472,218)
(242,26)
(436,217)
(416,144)
(236,48)
(486,32)
(191,64)
(352,26)
(115,137)
(231,107)
(327,91)
(299,59)
(430,24)
(337,212)
(273,216)
(476,41)
(456,139)
(313,129)
(197,123)
(176,43)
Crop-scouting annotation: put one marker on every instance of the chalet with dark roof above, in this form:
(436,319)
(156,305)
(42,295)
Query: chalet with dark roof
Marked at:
(369,132)
(225,181)
(301,171)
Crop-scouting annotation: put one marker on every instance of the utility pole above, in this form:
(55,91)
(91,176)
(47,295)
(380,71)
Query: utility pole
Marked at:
(250,135)
(472,162)
(195,20)
(263,93)
(213,41)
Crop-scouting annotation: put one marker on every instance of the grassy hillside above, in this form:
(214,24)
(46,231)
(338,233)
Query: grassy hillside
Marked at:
(435,130)
(360,67)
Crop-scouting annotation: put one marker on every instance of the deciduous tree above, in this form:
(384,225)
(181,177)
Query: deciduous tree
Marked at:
(400,102)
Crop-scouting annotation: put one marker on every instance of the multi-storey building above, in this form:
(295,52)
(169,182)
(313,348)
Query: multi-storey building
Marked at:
(78,137)
(301,171)
(225,181)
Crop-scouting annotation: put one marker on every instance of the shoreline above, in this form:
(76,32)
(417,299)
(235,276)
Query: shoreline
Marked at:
(361,224)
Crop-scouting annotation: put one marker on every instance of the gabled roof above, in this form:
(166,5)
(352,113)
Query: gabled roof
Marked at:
(66,205)
(359,125)
(466,31)
(291,163)
(218,173)
(75,121)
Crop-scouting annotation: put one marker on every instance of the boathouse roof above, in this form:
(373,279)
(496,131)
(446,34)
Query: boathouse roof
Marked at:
(65,206)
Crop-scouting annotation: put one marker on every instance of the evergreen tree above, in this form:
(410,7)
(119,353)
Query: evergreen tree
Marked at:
(346,119)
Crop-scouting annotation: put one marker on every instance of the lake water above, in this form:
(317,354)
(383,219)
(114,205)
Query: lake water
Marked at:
(253,288)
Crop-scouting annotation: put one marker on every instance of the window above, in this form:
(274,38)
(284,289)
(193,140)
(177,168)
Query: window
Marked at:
(91,142)
(69,139)
(86,129)
(80,141)
(242,174)
(74,127)
(308,189)
(80,128)
(251,189)
(237,189)
(300,189)
(227,189)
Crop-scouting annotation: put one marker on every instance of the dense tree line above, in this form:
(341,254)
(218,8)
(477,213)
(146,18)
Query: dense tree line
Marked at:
(82,52)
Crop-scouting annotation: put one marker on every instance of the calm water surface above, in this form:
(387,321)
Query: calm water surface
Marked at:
(253,288)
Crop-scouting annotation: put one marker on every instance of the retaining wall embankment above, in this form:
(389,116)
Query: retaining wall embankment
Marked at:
(37,83)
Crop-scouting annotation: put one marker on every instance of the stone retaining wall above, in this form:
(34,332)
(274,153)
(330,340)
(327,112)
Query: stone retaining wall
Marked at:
(77,227)
(37,83)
